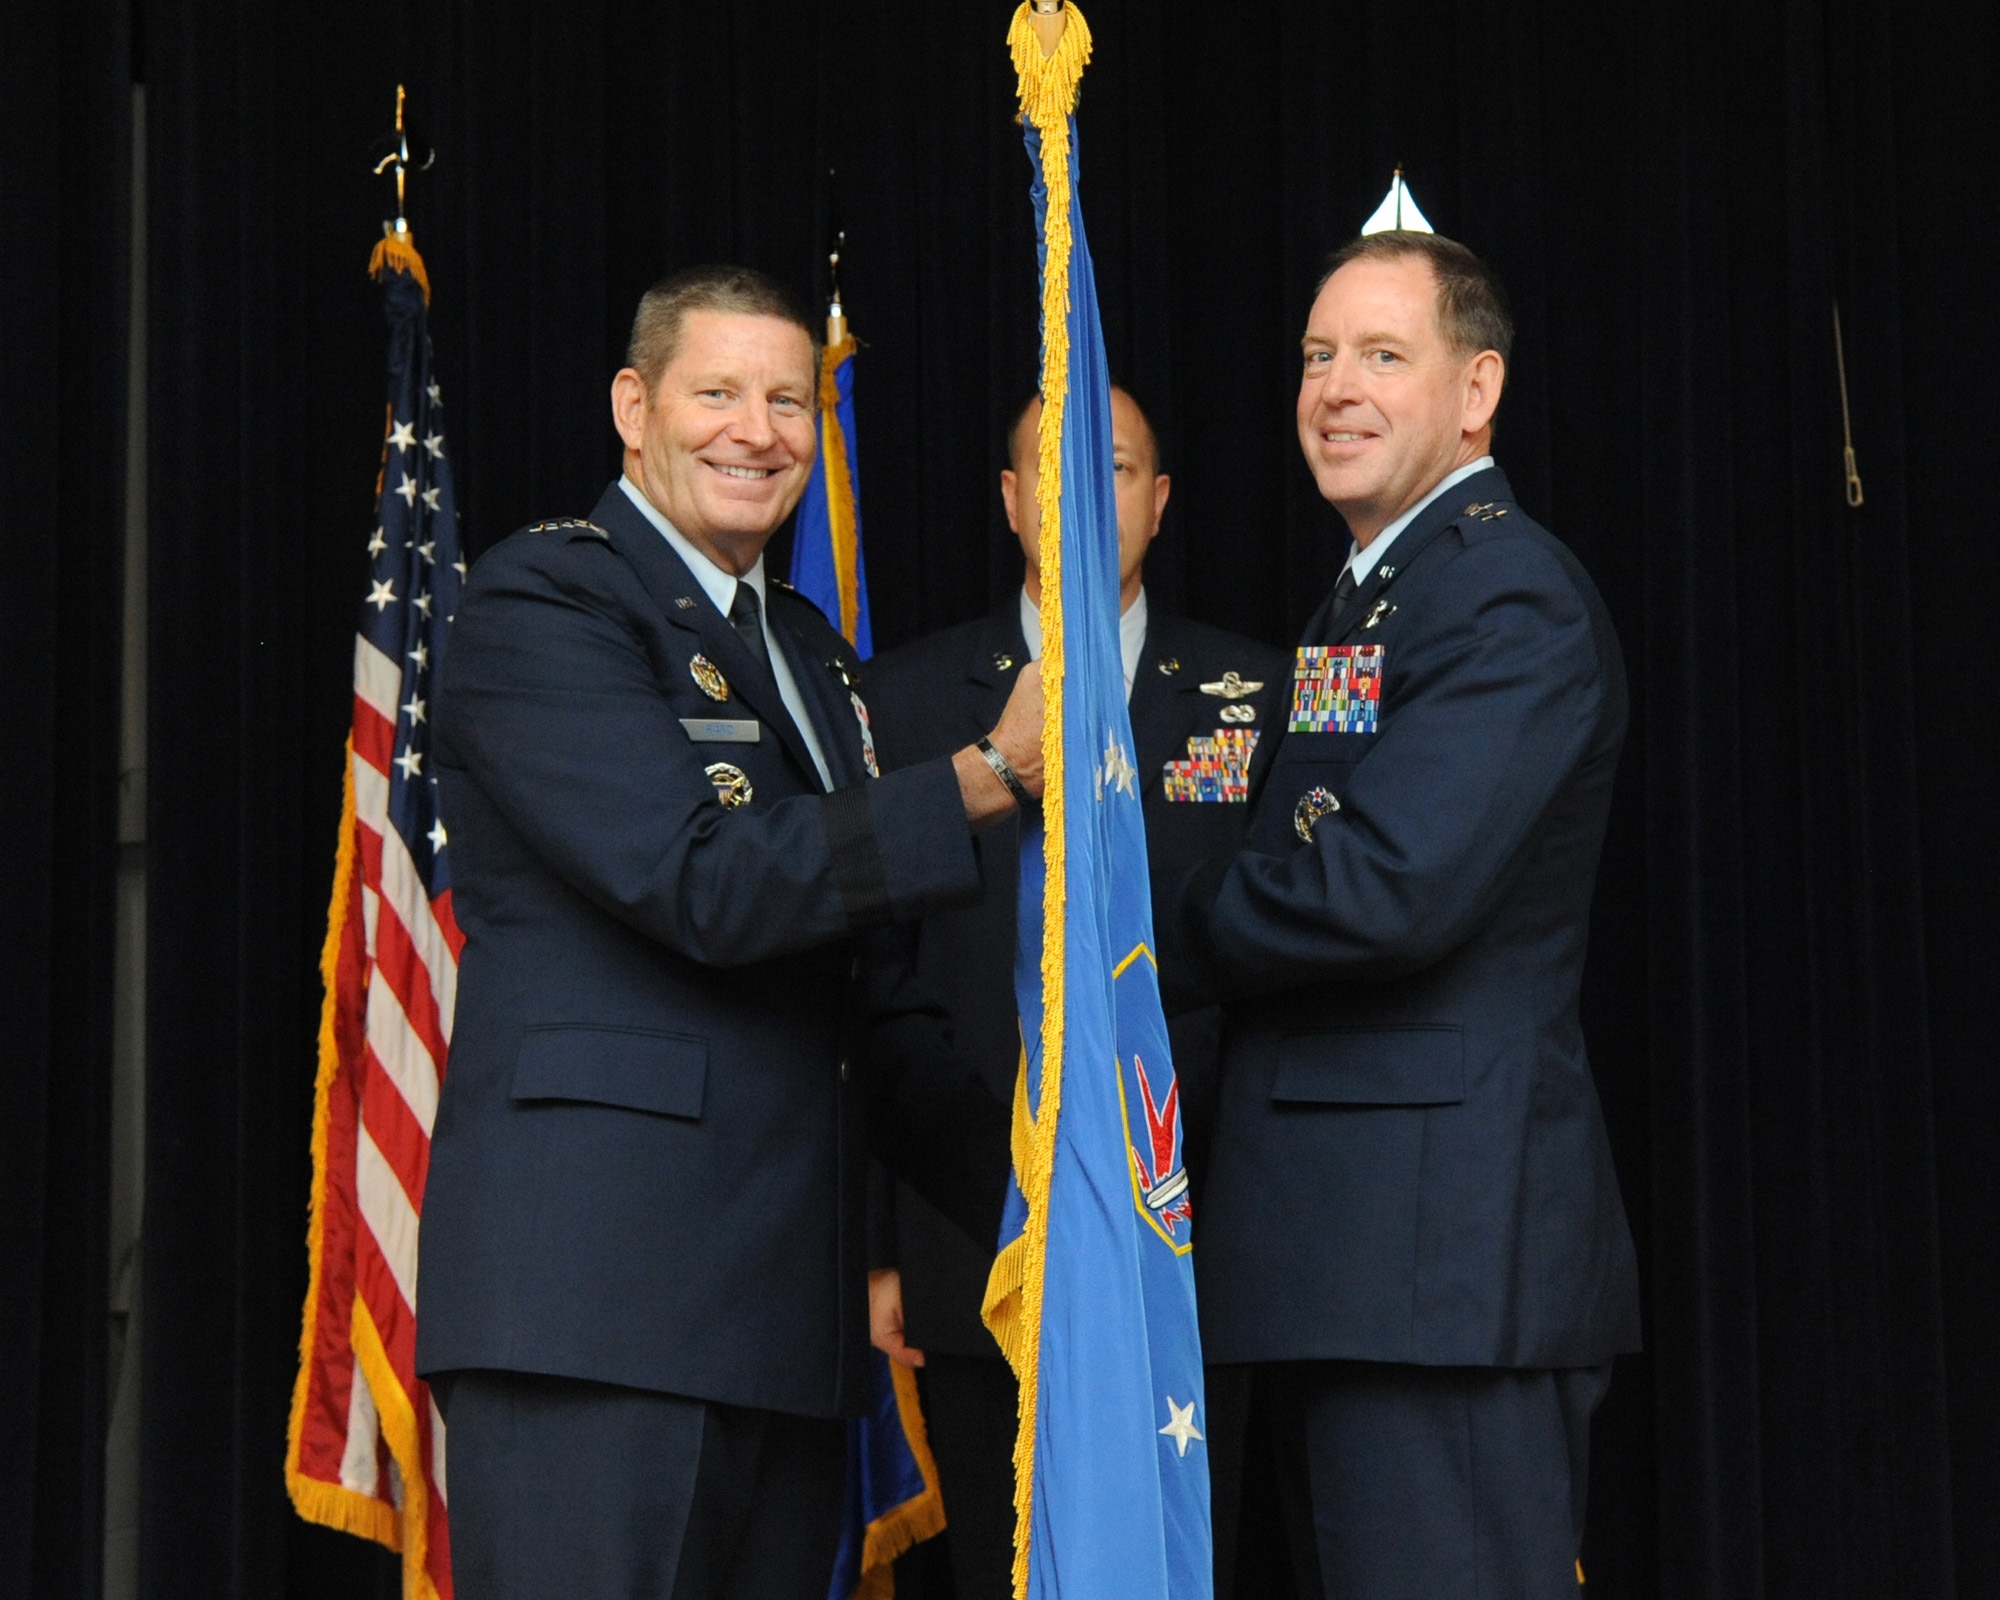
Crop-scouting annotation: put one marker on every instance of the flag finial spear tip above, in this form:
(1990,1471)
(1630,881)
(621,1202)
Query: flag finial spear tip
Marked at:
(400,158)
(1398,210)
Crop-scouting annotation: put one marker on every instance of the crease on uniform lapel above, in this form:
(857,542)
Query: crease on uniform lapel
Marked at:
(829,699)
(1001,636)
(1156,730)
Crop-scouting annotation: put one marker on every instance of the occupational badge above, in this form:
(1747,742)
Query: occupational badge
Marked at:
(1216,770)
(732,784)
(1232,686)
(1336,688)
(867,735)
(709,678)
(1313,805)
(1238,714)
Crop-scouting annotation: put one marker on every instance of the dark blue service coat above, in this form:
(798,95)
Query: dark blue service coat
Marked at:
(1410,1162)
(650,1155)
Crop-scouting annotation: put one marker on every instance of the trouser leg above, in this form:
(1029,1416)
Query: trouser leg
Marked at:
(561,1487)
(1422,1482)
(972,1416)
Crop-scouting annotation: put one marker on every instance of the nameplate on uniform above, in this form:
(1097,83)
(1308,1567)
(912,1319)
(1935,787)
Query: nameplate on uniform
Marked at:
(723,730)
(1336,688)
(1217,768)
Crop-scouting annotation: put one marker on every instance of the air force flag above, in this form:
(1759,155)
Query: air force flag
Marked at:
(1093,1294)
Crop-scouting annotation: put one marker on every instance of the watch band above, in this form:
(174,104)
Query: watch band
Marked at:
(1005,773)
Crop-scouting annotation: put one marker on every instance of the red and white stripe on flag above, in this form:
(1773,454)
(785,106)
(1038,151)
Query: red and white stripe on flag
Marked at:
(367,1446)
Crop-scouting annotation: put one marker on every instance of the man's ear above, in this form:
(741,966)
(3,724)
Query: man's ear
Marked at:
(1162,487)
(628,407)
(1008,484)
(1485,377)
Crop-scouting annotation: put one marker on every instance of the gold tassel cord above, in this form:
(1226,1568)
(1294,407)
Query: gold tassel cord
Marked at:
(1047,88)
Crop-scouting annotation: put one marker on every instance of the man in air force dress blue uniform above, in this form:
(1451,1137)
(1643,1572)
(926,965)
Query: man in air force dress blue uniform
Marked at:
(1412,1227)
(682,1020)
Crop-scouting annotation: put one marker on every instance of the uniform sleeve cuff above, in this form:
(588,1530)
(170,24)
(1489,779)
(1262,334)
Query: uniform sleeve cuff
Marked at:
(901,845)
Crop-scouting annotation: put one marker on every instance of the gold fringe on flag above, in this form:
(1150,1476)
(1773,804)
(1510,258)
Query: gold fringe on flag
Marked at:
(398,1416)
(839,489)
(916,1519)
(1048,83)
(397,252)
(330,1504)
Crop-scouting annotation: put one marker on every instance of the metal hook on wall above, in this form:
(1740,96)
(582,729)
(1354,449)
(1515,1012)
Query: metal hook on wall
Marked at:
(1846,425)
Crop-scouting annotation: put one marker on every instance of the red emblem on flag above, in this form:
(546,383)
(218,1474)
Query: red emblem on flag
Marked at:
(1163,1181)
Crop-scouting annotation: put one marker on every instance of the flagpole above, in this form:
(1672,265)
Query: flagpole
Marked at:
(1050,20)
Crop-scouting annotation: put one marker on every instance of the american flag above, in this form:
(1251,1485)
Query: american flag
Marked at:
(367,1446)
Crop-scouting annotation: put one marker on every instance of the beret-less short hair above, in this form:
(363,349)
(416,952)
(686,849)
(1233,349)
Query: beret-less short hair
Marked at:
(735,291)
(1472,308)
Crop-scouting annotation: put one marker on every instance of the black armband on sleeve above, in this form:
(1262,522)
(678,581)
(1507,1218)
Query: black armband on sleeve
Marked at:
(857,857)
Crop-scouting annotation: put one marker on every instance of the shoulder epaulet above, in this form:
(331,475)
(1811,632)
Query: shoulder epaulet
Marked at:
(571,525)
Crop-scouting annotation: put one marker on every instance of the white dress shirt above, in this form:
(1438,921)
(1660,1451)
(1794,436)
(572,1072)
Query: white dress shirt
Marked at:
(720,587)
(1362,562)
(1131,634)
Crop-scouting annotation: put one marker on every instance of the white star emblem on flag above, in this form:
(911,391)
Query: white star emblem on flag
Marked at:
(1180,1425)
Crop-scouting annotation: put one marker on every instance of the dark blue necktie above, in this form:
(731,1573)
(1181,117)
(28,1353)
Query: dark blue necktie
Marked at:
(749,626)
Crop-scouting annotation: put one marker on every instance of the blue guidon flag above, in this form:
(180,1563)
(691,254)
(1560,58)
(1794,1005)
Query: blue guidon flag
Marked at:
(1092,1296)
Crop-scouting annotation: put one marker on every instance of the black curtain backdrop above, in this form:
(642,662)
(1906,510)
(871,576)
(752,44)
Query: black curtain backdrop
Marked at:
(1795,940)
(65,210)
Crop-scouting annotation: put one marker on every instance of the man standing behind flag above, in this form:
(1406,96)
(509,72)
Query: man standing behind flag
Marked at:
(643,1276)
(1413,1228)
(1190,689)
